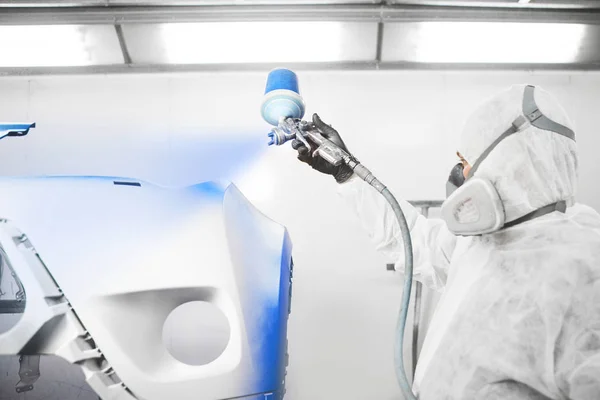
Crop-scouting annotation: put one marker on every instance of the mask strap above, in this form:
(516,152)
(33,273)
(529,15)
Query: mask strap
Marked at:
(539,120)
(513,129)
(560,206)
(532,115)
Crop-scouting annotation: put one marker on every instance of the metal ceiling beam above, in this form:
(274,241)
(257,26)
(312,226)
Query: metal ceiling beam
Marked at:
(574,4)
(163,14)
(104,3)
(535,4)
(379,45)
(263,68)
(358,13)
(123,44)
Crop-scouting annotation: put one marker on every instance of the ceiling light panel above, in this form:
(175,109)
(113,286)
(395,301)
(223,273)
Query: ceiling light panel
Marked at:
(250,42)
(58,45)
(485,42)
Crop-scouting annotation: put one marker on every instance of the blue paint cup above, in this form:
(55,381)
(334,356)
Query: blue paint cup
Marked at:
(282,97)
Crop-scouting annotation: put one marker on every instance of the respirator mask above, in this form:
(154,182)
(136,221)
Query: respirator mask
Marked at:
(473,206)
(455,179)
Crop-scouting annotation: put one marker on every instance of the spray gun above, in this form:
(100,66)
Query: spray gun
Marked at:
(283,107)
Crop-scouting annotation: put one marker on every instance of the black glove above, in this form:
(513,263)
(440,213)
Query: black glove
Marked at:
(342,172)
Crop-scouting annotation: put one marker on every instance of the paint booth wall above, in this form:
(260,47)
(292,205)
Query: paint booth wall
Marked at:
(188,128)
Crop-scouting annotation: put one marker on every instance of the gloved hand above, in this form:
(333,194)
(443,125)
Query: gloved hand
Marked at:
(342,172)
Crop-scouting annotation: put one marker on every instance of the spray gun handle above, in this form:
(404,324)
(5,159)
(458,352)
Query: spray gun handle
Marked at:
(331,155)
(327,150)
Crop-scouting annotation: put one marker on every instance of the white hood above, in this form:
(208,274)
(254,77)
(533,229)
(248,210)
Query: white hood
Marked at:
(530,169)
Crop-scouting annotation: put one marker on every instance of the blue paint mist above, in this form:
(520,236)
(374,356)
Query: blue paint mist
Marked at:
(212,158)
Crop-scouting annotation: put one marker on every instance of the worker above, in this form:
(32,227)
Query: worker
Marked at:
(519,317)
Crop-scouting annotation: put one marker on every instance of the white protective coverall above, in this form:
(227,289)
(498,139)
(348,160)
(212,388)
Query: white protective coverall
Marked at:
(519,317)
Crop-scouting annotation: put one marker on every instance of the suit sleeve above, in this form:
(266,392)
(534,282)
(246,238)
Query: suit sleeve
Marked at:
(433,243)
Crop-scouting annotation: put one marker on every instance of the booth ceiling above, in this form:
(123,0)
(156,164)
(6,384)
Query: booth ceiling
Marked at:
(40,37)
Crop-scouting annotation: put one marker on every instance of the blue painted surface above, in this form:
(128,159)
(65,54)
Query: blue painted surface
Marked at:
(285,308)
(260,248)
(275,328)
(262,396)
(263,276)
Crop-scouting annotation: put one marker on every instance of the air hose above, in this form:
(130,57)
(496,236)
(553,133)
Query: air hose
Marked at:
(283,107)
(368,177)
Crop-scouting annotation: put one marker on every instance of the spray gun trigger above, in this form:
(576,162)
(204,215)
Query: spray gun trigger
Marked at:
(300,135)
